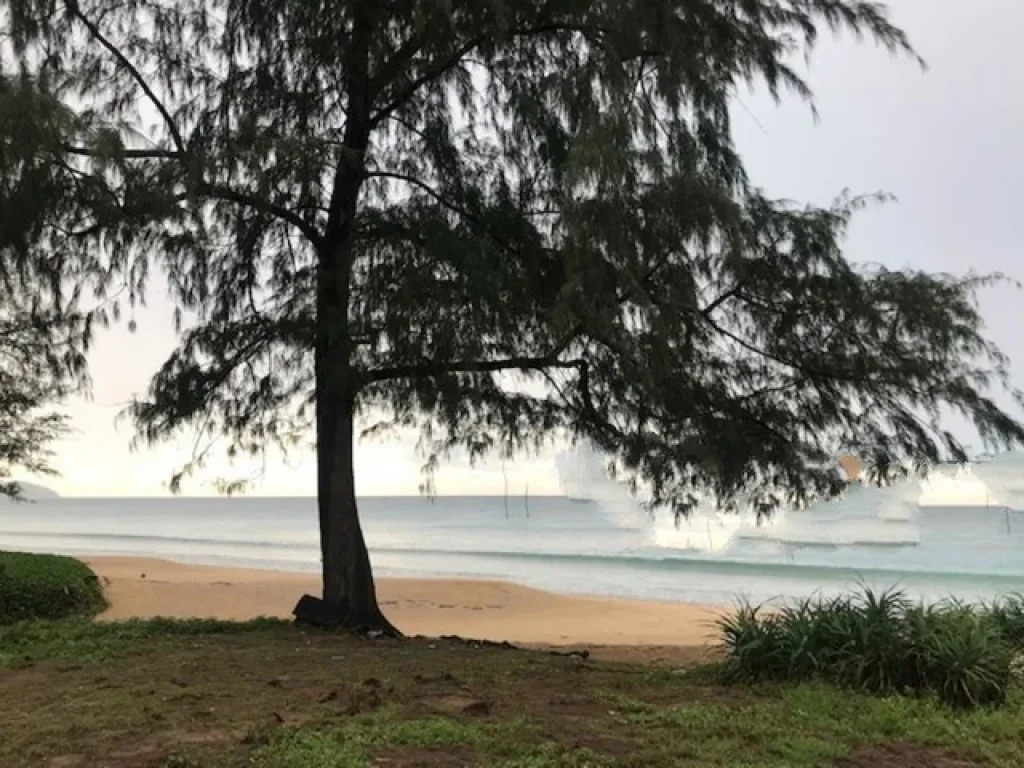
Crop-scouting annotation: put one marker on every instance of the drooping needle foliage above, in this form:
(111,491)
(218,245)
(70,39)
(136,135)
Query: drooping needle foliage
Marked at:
(491,222)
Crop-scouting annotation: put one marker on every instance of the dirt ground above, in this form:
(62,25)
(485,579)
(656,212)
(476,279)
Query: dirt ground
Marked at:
(224,700)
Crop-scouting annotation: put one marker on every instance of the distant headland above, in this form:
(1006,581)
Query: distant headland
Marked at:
(34,492)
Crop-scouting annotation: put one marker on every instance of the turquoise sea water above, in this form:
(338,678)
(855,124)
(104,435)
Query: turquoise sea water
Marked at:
(603,548)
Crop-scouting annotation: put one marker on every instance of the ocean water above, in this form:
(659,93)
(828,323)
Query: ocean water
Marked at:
(607,547)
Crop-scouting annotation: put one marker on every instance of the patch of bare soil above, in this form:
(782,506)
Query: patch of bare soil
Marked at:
(150,752)
(898,755)
(447,757)
(656,655)
(210,693)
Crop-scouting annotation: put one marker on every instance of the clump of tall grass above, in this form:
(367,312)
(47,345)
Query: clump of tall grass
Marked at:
(1008,614)
(881,642)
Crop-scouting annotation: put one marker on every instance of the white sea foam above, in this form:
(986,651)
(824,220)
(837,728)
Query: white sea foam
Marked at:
(1003,478)
(854,519)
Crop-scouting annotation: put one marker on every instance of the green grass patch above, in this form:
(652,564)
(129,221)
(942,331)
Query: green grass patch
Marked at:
(31,641)
(303,749)
(47,587)
(880,642)
(556,756)
(355,743)
(804,726)
(268,695)
(426,733)
(816,724)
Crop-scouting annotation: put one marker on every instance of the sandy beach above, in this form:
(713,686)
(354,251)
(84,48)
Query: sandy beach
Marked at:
(491,610)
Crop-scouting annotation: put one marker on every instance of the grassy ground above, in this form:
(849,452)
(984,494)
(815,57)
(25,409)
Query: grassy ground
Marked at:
(266,695)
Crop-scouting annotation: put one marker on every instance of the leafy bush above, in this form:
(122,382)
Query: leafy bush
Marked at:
(880,641)
(47,587)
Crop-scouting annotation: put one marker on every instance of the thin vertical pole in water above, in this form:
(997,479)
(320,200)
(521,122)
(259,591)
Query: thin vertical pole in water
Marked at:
(505,477)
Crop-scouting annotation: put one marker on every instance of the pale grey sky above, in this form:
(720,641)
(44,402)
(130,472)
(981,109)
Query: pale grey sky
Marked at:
(948,143)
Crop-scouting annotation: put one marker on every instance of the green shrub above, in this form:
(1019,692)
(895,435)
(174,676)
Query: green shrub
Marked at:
(879,641)
(1008,616)
(755,646)
(47,587)
(960,654)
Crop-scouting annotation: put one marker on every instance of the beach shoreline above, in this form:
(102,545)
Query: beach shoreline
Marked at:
(486,610)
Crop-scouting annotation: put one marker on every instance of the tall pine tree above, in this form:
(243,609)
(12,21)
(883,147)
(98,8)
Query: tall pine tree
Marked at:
(495,222)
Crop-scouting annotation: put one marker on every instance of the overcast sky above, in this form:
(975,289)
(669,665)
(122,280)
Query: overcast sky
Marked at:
(949,143)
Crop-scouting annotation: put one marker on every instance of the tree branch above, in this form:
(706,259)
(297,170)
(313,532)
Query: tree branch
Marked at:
(440,67)
(431,73)
(807,371)
(226,194)
(429,370)
(181,153)
(127,154)
(433,370)
(114,51)
(398,61)
(422,185)
(215,191)
(724,297)
(772,390)
(762,352)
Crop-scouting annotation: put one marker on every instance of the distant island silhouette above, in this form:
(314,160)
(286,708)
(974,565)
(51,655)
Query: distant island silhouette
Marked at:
(33,492)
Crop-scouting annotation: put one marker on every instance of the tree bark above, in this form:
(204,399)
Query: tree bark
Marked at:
(347,574)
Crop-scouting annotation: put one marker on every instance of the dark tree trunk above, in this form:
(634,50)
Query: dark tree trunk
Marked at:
(348,577)
(347,574)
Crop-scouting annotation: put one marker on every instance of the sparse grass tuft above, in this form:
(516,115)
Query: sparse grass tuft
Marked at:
(432,732)
(555,756)
(305,749)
